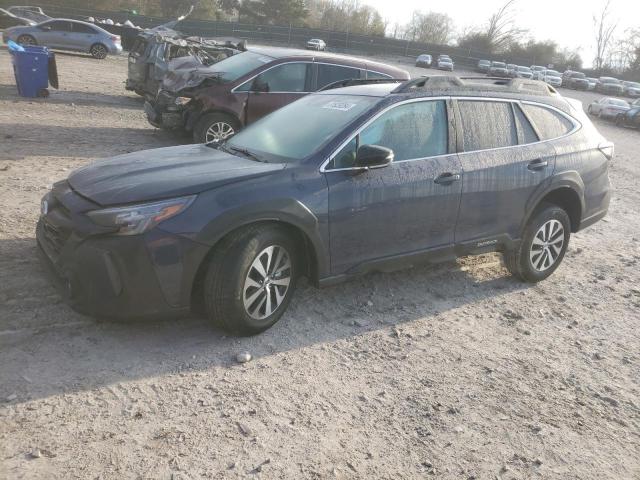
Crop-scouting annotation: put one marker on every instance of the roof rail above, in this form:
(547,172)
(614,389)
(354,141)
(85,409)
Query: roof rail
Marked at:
(478,83)
(349,82)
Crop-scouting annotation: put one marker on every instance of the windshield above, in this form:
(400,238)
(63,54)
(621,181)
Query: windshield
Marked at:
(578,75)
(552,73)
(524,69)
(499,64)
(282,137)
(609,80)
(632,84)
(236,66)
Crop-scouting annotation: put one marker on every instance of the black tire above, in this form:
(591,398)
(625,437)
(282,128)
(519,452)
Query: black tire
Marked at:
(225,285)
(589,111)
(619,120)
(98,51)
(201,132)
(26,40)
(519,261)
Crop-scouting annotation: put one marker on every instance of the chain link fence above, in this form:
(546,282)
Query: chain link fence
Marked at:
(290,36)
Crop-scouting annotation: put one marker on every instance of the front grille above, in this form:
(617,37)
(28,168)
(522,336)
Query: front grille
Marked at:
(54,235)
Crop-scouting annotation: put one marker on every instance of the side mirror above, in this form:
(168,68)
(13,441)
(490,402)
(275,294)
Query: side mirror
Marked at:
(373,156)
(259,86)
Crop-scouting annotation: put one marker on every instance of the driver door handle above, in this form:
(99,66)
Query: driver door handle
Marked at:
(447,178)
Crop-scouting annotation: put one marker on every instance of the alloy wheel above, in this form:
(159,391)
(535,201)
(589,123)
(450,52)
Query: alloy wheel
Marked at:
(26,40)
(218,131)
(99,51)
(547,245)
(267,282)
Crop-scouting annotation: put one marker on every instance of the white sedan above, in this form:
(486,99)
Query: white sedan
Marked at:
(552,77)
(316,44)
(608,107)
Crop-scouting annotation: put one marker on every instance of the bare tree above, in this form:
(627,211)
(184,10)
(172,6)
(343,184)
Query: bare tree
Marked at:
(502,30)
(431,27)
(604,29)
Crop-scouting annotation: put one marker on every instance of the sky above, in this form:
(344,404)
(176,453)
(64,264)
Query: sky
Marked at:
(567,22)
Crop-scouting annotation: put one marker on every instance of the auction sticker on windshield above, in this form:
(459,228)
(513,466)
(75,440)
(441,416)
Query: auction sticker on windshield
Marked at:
(342,106)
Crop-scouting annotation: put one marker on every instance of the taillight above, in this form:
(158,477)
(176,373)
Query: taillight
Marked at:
(607,149)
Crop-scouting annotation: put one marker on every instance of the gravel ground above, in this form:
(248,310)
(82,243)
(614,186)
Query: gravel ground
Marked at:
(455,371)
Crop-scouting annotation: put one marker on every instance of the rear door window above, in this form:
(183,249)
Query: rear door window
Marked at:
(549,124)
(487,125)
(80,28)
(328,74)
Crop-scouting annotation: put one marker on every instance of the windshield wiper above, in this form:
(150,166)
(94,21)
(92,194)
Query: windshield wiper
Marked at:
(245,152)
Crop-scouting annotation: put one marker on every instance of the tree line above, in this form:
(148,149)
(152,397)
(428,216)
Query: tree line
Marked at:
(499,35)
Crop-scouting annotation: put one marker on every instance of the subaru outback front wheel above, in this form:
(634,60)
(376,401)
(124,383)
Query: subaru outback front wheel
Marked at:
(543,245)
(250,279)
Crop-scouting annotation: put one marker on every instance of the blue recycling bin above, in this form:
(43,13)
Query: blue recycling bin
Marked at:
(33,67)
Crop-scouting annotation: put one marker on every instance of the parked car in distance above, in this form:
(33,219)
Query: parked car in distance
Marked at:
(630,118)
(498,69)
(232,225)
(424,60)
(483,66)
(592,83)
(217,101)
(608,107)
(575,80)
(631,89)
(609,86)
(537,71)
(636,103)
(8,19)
(445,63)
(552,77)
(511,66)
(521,72)
(30,13)
(316,44)
(63,34)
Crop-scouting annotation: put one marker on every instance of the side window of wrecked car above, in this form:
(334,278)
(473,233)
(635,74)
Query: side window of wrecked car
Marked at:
(285,78)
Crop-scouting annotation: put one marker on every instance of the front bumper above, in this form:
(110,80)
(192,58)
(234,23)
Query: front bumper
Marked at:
(149,275)
(158,116)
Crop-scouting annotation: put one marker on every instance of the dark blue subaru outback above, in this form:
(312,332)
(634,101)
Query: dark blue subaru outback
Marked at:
(372,176)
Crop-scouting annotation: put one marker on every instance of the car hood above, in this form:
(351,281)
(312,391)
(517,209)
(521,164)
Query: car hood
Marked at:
(163,173)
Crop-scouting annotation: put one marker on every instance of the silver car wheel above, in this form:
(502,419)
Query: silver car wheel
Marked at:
(99,51)
(26,40)
(267,282)
(547,245)
(218,131)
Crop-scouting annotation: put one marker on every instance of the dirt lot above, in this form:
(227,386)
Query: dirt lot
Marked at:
(455,371)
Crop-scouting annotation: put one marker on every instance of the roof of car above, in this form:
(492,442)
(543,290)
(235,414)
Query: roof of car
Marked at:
(450,85)
(282,52)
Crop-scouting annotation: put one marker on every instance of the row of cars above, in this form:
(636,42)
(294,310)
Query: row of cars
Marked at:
(443,62)
(618,110)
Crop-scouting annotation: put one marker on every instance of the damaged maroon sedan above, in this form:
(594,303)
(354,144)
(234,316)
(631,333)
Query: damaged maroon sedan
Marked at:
(214,102)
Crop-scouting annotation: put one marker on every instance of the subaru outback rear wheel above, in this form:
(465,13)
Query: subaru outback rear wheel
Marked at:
(543,245)
(250,279)
(26,40)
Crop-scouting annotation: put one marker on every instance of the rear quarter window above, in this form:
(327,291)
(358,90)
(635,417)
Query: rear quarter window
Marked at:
(549,124)
(328,74)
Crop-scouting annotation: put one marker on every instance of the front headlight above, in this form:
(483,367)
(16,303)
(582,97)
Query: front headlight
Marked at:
(136,219)
(180,101)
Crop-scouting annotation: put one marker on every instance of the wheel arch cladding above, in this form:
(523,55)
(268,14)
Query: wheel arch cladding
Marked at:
(567,199)
(307,254)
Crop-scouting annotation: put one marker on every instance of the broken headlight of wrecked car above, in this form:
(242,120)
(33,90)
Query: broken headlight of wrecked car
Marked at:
(136,219)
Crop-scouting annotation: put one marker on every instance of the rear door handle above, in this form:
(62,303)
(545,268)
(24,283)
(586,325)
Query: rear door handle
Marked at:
(538,164)
(447,178)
